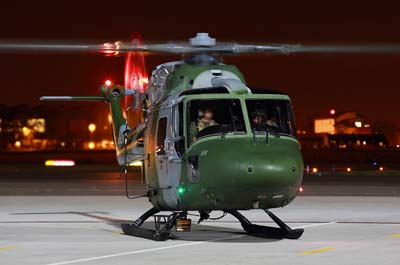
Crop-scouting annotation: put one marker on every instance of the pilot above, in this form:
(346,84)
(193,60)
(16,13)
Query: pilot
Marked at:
(257,121)
(206,120)
(272,122)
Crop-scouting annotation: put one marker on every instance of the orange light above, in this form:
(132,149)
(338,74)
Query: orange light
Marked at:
(380,168)
(91,145)
(315,170)
(17,144)
(348,169)
(108,82)
(92,127)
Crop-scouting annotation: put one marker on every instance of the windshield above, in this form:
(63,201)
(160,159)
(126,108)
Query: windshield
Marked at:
(273,115)
(214,116)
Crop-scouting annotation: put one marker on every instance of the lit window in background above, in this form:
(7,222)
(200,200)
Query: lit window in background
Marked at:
(37,125)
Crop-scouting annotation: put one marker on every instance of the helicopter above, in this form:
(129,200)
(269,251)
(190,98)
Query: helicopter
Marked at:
(206,140)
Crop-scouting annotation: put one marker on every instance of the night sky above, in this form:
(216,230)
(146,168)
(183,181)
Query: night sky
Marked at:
(316,83)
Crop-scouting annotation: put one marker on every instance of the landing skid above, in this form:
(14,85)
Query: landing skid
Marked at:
(164,223)
(284,231)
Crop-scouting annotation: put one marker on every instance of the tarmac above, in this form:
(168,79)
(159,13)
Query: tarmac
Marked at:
(53,216)
(56,230)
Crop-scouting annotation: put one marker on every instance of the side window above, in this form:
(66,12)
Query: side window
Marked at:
(161,134)
(179,142)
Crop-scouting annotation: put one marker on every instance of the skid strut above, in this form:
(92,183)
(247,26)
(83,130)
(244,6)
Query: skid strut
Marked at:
(163,225)
(284,231)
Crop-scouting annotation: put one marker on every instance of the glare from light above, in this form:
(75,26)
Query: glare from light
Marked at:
(358,124)
(397,145)
(301,189)
(92,127)
(380,168)
(348,169)
(315,170)
(91,145)
(136,164)
(332,112)
(108,82)
(364,142)
(59,163)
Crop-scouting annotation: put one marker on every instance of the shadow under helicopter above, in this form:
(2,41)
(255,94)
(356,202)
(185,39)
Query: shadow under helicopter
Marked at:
(197,233)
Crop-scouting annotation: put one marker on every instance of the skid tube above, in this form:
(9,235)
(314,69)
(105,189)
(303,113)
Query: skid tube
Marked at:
(283,231)
(163,225)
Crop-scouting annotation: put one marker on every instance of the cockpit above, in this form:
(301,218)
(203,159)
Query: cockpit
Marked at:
(210,116)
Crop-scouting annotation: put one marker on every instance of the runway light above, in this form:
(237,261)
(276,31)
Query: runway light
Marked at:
(136,164)
(380,168)
(315,170)
(348,169)
(59,163)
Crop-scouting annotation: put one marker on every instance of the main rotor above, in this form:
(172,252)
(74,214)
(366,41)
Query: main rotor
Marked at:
(202,43)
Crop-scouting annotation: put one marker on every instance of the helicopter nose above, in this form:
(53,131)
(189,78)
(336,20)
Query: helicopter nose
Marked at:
(270,170)
(255,165)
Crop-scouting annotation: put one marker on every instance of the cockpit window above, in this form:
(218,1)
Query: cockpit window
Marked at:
(214,116)
(275,116)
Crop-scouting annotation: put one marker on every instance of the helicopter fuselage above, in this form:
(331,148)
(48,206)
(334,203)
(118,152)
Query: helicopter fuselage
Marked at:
(229,165)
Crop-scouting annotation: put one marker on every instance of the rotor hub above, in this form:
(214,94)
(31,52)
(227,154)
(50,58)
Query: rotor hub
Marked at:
(202,39)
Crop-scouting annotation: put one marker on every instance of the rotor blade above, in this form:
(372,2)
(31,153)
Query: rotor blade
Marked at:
(184,48)
(356,49)
(71,98)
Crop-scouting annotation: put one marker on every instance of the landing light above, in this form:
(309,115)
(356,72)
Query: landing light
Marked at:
(59,163)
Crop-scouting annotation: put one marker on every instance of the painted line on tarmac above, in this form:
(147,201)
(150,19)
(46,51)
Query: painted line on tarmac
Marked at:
(316,251)
(394,236)
(8,248)
(164,248)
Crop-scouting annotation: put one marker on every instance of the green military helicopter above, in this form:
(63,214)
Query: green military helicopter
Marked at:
(208,142)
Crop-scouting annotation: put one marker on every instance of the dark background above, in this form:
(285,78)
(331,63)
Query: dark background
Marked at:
(316,83)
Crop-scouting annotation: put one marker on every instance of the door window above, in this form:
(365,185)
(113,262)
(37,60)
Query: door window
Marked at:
(161,134)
